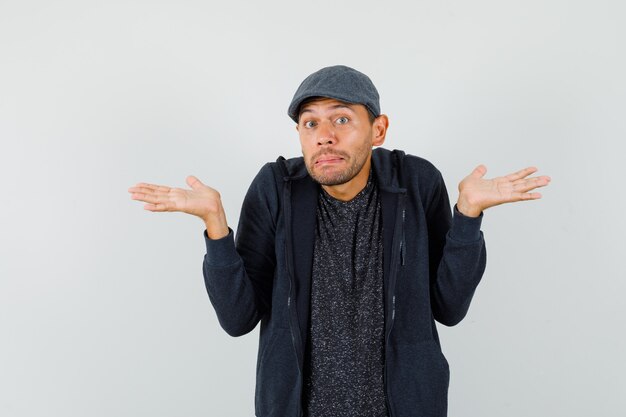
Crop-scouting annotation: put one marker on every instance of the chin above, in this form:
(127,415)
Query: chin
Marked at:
(335,178)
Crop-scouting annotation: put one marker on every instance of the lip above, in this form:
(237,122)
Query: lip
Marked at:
(327,160)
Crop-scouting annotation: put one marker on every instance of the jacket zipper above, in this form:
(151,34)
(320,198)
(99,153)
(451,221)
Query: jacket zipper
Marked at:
(290,271)
(396,247)
(402,250)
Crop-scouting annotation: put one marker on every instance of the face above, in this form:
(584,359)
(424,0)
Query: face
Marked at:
(337,140)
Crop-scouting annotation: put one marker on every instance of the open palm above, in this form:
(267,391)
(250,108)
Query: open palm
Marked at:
(477,193)
(200,200)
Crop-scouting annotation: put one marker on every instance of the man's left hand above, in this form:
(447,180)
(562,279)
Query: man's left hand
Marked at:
(477,193)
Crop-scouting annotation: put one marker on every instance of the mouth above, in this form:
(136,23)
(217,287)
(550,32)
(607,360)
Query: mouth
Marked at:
(328,160)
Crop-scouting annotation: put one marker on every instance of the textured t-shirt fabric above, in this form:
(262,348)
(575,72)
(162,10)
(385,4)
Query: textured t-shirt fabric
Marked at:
(344,368)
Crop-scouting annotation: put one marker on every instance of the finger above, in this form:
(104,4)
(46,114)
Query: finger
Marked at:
(154,207)
(194,182)
(524,196)
(541,179)
(522,173)
(146,198)
(154,187)
(160,207)
(141,190)
(136,189)
(137,194)
(161,192)
(525,185)
(479,171)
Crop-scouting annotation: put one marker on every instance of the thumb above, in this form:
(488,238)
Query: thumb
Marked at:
(479,171)
(194,182)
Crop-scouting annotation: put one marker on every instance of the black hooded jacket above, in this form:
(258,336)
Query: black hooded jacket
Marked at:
(432,265)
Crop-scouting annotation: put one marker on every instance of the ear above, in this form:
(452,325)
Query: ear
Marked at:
(380,126)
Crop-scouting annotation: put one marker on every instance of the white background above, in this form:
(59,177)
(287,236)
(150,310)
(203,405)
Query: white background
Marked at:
(103,310)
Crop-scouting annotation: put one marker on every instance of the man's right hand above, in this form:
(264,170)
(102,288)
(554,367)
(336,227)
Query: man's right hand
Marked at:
(201,201)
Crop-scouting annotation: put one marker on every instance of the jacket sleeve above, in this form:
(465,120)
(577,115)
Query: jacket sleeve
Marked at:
(238,273)
(457,257)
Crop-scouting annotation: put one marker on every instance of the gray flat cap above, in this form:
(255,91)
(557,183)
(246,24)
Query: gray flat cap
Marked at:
(338,82)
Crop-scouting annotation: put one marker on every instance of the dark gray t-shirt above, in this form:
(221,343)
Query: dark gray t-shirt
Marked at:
(345,351)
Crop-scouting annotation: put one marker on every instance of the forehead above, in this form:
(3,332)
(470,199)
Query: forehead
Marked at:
(324,103)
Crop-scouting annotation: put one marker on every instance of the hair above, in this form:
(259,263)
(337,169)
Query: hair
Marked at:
(310,99)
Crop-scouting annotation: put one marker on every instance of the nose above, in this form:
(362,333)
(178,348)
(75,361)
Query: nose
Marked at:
(325,134)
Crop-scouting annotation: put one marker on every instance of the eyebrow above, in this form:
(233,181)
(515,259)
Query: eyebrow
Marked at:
(336,106)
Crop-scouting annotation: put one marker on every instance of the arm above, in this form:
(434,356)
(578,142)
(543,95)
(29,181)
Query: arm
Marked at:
(238,273)
(238,289)
(456,244)
(457,257)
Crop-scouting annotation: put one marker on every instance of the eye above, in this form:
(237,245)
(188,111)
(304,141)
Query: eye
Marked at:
(342,120)
(309,124)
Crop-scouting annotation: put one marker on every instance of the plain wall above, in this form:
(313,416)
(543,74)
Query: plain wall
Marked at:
(103,310)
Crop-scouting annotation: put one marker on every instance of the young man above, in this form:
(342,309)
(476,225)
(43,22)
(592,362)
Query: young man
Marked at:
(347,256)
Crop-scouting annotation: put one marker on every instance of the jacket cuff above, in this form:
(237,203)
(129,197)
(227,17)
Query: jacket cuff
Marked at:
(221,252)
(465,228)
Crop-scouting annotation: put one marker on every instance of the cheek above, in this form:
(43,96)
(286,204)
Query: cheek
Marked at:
(306,150)
(308,141)
(302,144)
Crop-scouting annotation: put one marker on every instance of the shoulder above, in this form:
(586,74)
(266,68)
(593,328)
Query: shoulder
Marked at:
(272,175)
(286,168)
(281,168)
(421,166)
(404,169)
